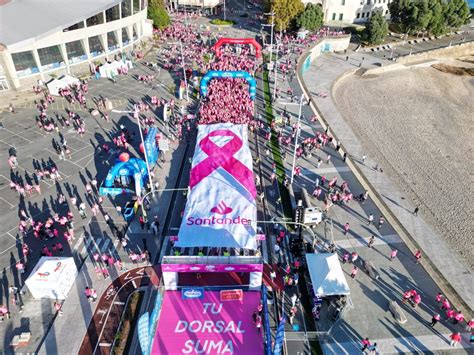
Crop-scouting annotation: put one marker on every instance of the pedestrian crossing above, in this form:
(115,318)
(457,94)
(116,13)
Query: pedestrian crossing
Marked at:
(93,244)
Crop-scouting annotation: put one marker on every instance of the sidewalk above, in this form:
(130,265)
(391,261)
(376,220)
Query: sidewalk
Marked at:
(369,297)
(328,68)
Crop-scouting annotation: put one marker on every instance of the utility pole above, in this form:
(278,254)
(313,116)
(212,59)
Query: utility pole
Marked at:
(296,140)
(224,11)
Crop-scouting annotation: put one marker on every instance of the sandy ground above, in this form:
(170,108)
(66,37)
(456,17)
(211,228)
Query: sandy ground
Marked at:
(419,125)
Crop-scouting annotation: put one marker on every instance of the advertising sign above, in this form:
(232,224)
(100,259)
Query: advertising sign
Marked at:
(221,210)
(207,325)
(212,267)
(232,295)
(189,293)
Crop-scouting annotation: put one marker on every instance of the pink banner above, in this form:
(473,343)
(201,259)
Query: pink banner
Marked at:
(208,326)
(212,268)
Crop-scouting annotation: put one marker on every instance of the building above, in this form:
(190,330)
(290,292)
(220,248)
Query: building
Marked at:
(44,38)
(350,11)
(210,7)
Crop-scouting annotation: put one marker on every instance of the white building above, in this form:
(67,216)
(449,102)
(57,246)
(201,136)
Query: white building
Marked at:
(43,37)
(205,6)
(350,11)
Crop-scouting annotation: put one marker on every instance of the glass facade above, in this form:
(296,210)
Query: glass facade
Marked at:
(95,46)
(112,42)
(24,63)
(74,27)
(134,37)
(136,6)
(126,8)
(113,13)
(50,57)
(95,20)
(125,37)
(75,52)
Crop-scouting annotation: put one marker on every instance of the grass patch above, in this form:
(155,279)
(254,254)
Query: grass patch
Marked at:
(221,22)
(275,148)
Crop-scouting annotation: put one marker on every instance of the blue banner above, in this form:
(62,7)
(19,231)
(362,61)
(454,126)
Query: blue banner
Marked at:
(280,336)
(154,320)
(268,334)
(143,333)
(191,293)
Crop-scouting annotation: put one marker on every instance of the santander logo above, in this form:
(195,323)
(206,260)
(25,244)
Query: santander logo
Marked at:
(221,208)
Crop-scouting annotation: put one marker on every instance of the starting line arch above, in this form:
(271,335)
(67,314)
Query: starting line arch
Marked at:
(251,41)
(214,74)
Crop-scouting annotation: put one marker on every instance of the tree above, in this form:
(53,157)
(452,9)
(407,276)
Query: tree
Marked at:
(377,28)
(436,25)
(456,13)
(285,12)
(157,12)
(311,18)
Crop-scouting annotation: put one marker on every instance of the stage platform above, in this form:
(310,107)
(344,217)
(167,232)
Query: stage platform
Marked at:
(200,323)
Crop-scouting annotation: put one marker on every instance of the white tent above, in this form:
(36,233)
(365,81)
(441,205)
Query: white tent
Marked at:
(68,80)
(326,274)
(108,70)
(54,86)
(52,277)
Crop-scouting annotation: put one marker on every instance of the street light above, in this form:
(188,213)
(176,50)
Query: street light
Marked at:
(297,133)
(272,25)
(275,81)
(182,64)
(144,150)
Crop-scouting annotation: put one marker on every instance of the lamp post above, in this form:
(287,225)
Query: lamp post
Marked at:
(297,134)
(275,81)
(182,65)
(272,14)
(152,186)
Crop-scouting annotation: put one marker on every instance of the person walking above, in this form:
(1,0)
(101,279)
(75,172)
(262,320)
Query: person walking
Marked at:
(57,308)
(458,317)
(417,256)
(455,338)
(354,271)
(141,220)
(381,222)
(446,304)
(294,298)
(370,219)
(373,349)
(439,297)
(435,319)
(415,212)
(365,344)
(393,254)
(346,228)
(371,242)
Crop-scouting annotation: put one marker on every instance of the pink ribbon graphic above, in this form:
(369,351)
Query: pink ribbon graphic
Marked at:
(222,157)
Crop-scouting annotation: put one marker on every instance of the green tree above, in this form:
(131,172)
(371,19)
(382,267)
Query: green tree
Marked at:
(157,12)
(436,25)
(456,13)
(377,28)
(285,12)
(311,18)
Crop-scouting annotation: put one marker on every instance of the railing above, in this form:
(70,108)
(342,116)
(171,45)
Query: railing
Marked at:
(187,259)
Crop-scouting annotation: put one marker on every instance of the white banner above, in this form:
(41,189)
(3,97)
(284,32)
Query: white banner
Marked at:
(221,210)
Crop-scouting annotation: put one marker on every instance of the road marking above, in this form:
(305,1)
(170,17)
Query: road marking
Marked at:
(354,242)
(11,206)
(119,303)
(315,171)
(105,344)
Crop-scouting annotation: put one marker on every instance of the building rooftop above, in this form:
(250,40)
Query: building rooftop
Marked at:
(28,20)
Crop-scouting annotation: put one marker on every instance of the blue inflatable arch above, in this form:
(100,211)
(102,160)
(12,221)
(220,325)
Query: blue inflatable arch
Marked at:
(214,74)
(133,167)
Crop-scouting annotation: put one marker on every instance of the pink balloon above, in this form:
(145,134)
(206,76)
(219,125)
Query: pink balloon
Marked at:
(142,148)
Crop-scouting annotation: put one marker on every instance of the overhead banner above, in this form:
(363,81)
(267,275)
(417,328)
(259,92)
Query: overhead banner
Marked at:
(211,267)
(221,210)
